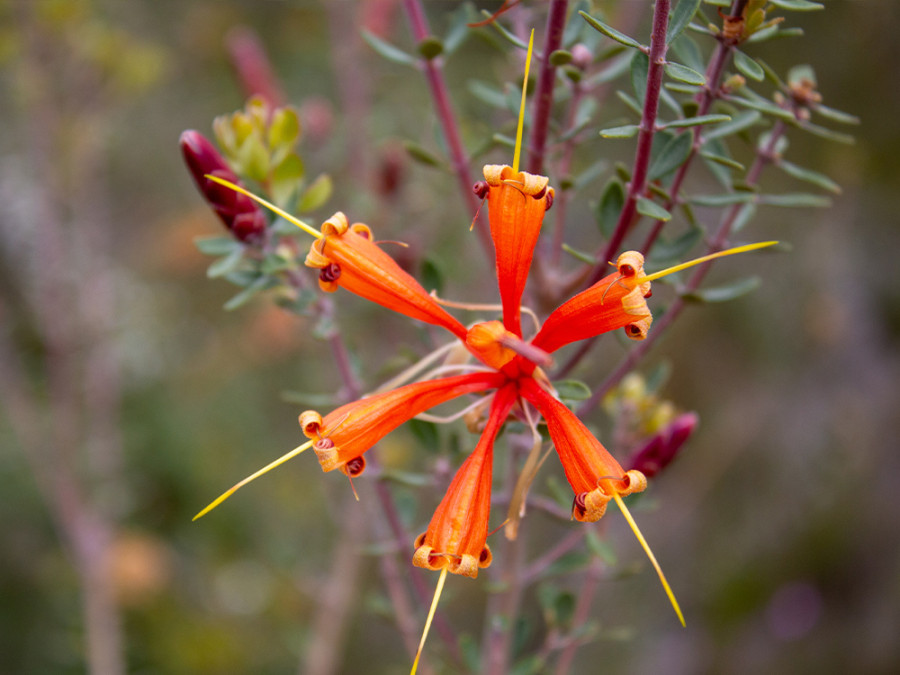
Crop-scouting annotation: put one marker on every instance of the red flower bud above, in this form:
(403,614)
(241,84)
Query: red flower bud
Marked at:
(662,448)
(240,214)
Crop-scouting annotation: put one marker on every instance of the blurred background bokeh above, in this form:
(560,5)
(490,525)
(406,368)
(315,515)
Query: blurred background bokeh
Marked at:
(131,399)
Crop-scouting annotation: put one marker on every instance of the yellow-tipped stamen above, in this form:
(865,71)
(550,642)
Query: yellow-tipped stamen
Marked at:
(278,462)
(518,152)
(646,547)
(711,256)
(434,604)
(269,205)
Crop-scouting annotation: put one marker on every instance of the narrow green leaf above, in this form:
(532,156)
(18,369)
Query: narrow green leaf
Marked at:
(810,176)
(572,390)
(824,132)
(389,51)
(671,155)
(579,255)
(763,106)
(682,88)
(726,199)
(748,66)
(798,5)
(487,93)
(686,50)
(651,209)
(665,250)
(610,207)
(743,217)
(423,156)
(626,131)
(724,161)
(836,115)
(226,264)
(611,32)
(696,121)
(432,277)
(684,74)
(274,263)
(681,16)
(723,293)
(216,245)
(505,34)
(318,192)
(246,295)
(739,122)
(427,434)
(795,200)
(640,67)
(286,178)
(630,101)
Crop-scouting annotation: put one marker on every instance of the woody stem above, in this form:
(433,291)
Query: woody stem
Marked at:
(458,158)
(543,100)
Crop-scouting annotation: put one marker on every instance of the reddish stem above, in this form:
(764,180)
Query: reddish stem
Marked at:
(543,100)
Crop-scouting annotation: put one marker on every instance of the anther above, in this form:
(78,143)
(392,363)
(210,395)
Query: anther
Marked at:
(331,272)
(481,189)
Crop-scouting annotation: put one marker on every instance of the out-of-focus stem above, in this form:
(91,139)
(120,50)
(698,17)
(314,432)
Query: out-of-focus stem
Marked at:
(556,23)
(458,158)
(582,612)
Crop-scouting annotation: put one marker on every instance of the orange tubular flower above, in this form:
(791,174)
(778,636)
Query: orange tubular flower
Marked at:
(592,472)
(616,301)
(456,537)
(517,203)
(342,436)
(347,257)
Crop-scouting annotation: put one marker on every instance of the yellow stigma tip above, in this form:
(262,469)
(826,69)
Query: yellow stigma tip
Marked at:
(703,259)
(434,604)
(521,124)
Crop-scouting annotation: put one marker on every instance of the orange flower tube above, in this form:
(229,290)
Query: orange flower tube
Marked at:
(348,258)
(346,433)
(457,534)
(516,206)
(616,301)
(593,473)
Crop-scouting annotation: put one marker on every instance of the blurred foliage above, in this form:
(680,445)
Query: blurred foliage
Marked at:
(775,524)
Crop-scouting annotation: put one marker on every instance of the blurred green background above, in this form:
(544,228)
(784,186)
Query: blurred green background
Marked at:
(777,526)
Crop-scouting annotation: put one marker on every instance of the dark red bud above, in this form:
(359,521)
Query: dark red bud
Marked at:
(481,189)
(239,213)
(662,448)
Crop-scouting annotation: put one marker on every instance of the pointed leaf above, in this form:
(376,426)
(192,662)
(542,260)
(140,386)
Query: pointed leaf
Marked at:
(748,66)
(640,67)
(795,200)
(723,293)
(572,390)
(678,247)
(836,115)
(626,131)
(798,5)
(423,156)
(671,155)
(389,51)
(216,245)
(226,264)
(726,199)
(688,53)
(744,216)
(684,74)
(651,209)
(739,122)
(611,32)
(583,256)
(246,295)
(696,121)
(487,93)
(724,161)
(681,16)
(810,176)
(612,201)
(831,135)
(318,192)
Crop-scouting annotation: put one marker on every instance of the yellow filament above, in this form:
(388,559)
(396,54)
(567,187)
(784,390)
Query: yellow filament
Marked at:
(646,547)
(434,604)
(269,205)
(278,462)
(518,152)
(711,256)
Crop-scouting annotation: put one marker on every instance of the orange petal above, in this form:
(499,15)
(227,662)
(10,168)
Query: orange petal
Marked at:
(457,535)
(593,473)
(616,301)
(347,257)
(516,203)
(345,434)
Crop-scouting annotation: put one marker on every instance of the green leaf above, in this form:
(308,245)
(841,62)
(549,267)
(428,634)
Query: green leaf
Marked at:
(626,131)
(246,295)
(640,67)
(651,209)
(216,245)
(566,564)
(726,199)
(798,5)
(688,53)
(671,155)
(611,32)
(810,176)
(678,247)
(723,293)
(579,255)
(795,200)
(509,37)
(286,178)
(684,74)
(389,51)
(744,216)
(612,201)
(601,548)
(764,106)
(696,121)
(226,264)
(487,93)
(824,132)
(630,101)
(724,161)
(681,16)
(423,156)
(572,390)
(560,57)
(739,122)
(432,277)
(284,129)
(836,115)
(318,192)
(748,66)
(274,263)
(426,433)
